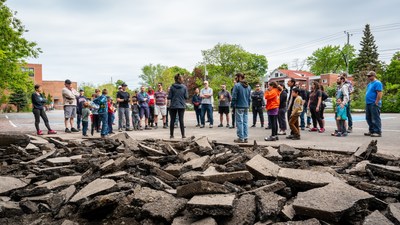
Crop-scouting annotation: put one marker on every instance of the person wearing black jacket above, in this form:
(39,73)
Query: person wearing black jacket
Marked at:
(38,101)
(196,101)
(257,104)
(178,94)
(305,95)
(282,110)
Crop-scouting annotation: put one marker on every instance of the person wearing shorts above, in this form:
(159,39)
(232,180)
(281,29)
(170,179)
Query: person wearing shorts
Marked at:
(143,99)
(160,106)
(70,104)
(224,100)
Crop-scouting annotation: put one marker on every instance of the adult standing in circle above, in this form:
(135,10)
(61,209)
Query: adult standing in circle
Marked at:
(38,101)
(315,105)
(241,97)
(271,95)
(69,96)
(123,108)
(178,94)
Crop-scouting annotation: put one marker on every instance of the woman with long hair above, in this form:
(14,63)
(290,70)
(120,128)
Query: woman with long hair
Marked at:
(315,106)
(282,110)
(38,102)
(178,94)
(271,96)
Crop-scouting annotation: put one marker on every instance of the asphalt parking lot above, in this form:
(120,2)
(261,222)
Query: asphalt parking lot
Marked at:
(389,143)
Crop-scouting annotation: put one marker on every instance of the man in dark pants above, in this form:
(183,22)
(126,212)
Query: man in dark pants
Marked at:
(373,100)
(291,84)
(257,104)
(80,100)
(305,95)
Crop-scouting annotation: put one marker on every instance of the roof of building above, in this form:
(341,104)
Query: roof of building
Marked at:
(296,73)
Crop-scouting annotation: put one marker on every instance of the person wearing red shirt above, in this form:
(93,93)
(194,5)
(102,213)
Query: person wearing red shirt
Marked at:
(271,96)
(110,110)
(150,93)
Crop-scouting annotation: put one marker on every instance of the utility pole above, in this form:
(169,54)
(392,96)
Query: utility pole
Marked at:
(347,51)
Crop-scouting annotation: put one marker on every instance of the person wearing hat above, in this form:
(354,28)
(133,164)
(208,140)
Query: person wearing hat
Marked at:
(373,100)
(70,105)
(123,108)
(80,101)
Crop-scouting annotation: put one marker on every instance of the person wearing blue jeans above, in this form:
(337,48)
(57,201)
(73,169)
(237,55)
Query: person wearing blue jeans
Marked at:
(206,95)
(373,100)
(103,112)
(241,99)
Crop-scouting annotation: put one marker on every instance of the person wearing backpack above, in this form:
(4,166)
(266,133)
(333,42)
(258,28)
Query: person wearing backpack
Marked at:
(103,112)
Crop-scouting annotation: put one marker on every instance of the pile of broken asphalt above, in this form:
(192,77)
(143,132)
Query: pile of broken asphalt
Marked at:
(124,181)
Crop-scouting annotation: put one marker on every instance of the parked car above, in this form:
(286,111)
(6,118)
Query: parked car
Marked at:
(328,103)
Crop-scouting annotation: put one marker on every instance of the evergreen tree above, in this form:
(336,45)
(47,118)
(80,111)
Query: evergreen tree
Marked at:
(367,58)
(19,99)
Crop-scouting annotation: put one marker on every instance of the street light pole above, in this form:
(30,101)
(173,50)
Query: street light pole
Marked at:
(347,51)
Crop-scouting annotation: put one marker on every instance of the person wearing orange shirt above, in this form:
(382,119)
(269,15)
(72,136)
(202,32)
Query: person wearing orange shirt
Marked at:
(271,96)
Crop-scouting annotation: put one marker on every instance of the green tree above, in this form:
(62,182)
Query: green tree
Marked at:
(49,99)
(119,83)
(330,59)
(14,48)
(283,66)
(150,73)
(392,72)
(167,76)
(227,59)
(88,88)
(19,99)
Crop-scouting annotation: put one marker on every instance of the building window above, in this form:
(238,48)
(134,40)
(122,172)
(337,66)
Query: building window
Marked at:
(276,74)
(324,81)
(31,71)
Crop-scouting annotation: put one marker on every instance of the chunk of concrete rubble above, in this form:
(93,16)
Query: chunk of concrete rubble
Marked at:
(312,221)
(129,142)
(273,154)
(274,187)
(244,211)
(305,179)
(116,174)
(376,218)
(183,220)
(62,181)
(200,188)
(378,190)
(199,163)
(28,207)
(288,152)
(58,161)
(262,167)
(107,165)
(211,174)
(359,168)
(166,207)
(40,158)
(69,222)
(36,140)
(174,169)
(394,212)
(188,156)
(333,202)
(31,148)
(93,188)
(205,221)
(365,150)
(203,142)
(10,209)
(162,174)
(11,138)
(151,151)
(269,205)
(101,204)
(390,172)
(10,183)
(68,192)
(214,205)
(288,212)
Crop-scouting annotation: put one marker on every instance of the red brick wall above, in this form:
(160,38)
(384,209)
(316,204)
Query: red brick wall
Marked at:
(37,69)
(55,88)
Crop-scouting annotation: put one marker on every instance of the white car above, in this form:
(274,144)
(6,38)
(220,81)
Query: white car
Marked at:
(328,103)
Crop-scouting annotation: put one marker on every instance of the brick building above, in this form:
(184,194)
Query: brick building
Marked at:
(52,87)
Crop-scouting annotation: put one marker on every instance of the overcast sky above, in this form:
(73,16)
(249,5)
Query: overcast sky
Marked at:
(94,40)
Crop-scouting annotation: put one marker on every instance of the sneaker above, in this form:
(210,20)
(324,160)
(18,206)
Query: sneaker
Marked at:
(246,140)
(202,126)
(39,132)
(350,129)
(367,134)
(67,130)
(302,128)
(211,126)
(165,127)
(227,125)
(198,125)
(376,135)
(128,129)
(74,130)
(85,135)
(147,128)
(171,137)
(268,128)
(313,129)
(289,137)
(262,125)
(104,136)
(270,138)
(51,132)
(296,137)
(322,130)
(338,134)
(253,125)
(238,140)
(345,134)
(232,127)
(334,133)
(308,125)
(281,132)
(276,138)
(221,125)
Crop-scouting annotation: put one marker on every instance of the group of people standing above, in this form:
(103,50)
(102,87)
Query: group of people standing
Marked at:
(280,103)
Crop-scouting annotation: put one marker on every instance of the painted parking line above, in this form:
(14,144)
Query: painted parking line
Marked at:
(6,117)
(360,118)
(12,124)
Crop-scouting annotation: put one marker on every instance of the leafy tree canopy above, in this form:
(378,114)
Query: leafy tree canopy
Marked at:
(330,59)
(150,74)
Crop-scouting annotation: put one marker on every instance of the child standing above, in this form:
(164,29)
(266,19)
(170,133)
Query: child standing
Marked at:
(294,117)
(135,113)
(85,118)
(95,115)
(341,117)
(111,111)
